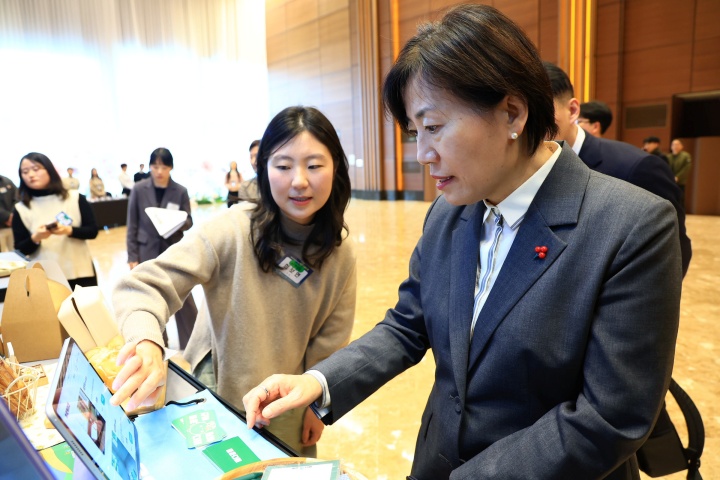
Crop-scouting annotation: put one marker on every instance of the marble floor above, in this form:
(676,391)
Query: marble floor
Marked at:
(377,439)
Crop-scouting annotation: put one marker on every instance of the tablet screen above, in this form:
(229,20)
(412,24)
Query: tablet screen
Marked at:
(99,433)
(18,458)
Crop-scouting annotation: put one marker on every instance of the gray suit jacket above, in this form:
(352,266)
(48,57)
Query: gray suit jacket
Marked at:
(572,354)
(143,241)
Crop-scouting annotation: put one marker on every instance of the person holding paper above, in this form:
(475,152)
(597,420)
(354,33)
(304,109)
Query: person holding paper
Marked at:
(279,277)
(144,241)
(53,223)
(548,293)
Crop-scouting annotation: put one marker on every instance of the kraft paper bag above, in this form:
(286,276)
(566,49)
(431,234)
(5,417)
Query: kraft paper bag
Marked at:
(30,321)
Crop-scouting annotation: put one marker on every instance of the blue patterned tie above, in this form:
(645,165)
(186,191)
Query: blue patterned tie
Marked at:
(490,265)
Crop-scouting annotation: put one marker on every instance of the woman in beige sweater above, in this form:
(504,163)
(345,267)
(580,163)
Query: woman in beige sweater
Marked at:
(278,276)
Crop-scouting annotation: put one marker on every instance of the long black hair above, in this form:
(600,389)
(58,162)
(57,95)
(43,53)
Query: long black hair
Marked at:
(55,186)
(329,223)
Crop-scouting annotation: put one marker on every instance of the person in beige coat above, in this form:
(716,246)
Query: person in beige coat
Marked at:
(278,275)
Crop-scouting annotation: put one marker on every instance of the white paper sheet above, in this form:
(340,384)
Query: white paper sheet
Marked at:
(166,221)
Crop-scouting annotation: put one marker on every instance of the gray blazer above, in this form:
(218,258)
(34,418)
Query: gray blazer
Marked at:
(143,241)
(572,354)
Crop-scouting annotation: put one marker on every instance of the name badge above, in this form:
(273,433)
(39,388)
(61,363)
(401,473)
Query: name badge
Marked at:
(63,219)
(173,206)
(293,270)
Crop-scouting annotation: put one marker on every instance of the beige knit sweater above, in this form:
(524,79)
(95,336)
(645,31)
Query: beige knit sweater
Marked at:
(259,323)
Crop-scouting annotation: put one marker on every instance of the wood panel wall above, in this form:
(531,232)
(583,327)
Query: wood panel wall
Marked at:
(664,48)
(703,193)
(608,58)
(314,60)
(314,54)
(645,51)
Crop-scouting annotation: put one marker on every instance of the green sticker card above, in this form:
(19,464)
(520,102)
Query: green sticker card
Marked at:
(230,454)
(199,428)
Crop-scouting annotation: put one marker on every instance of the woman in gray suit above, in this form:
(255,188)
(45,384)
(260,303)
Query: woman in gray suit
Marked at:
(548,293)
(143,240)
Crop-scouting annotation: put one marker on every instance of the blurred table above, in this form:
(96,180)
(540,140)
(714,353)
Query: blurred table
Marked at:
(111,212)
(11,257)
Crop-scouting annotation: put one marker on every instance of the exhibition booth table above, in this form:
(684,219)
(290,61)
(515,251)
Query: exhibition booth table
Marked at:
(167,452)
(110,212)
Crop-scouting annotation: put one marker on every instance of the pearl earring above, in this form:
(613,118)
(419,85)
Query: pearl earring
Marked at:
(514,135)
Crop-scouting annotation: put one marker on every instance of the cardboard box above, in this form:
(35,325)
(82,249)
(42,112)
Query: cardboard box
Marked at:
(87,318)
(30,321)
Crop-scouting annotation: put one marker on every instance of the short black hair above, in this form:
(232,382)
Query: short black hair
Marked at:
(162,154)
(123,165)
(479,56)
(559,81)
(597,111)
(652,139)
(254,144)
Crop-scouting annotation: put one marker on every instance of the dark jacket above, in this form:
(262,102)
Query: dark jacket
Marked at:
(562,378)
(143,241)
(648,171)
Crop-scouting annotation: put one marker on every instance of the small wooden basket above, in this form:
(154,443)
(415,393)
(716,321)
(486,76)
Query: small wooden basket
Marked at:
(18,387)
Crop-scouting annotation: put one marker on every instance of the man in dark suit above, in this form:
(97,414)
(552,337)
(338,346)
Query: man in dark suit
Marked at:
(617,159)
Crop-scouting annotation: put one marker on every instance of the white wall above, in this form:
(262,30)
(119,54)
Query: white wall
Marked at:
(96,84)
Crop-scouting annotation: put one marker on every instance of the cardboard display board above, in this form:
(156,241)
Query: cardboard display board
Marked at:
(30,314)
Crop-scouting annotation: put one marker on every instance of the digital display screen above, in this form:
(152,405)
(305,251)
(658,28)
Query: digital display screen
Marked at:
(82,404)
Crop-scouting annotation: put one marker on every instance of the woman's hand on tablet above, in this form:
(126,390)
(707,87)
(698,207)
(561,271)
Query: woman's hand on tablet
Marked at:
(142,374)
